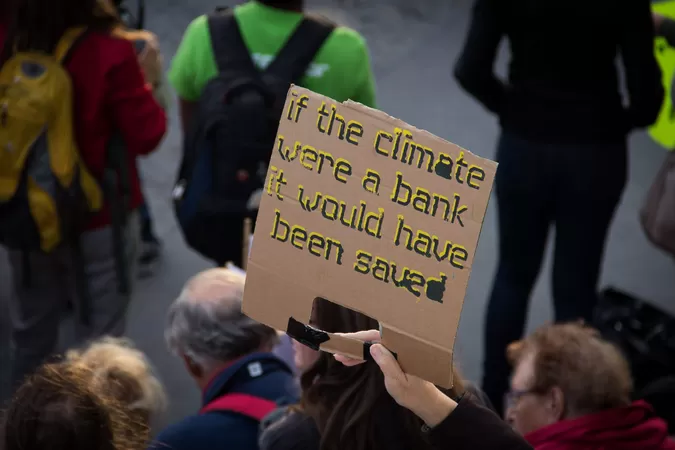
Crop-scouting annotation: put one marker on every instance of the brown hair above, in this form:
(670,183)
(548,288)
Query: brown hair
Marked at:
(57,408)
(591,372)
(350,405)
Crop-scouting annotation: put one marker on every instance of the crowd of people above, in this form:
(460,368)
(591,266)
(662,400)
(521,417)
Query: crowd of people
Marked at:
(570,390)
(83,96)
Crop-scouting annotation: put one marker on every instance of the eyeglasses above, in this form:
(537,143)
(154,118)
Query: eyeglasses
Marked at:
(513,396)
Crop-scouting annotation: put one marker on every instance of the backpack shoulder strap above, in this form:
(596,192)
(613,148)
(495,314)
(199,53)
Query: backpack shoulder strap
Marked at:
(228,45)
(295,57)
(247,405)
(67,43)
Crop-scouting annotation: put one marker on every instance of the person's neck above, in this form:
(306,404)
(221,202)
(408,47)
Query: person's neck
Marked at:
(294,5)
(204,381)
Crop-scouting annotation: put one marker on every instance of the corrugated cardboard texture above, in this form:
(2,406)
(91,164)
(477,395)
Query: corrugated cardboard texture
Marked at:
(373,214)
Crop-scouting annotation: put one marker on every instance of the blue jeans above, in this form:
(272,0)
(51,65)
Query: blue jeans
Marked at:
(574,188)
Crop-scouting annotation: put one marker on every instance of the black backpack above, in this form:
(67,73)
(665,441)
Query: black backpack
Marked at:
(644,332)
(229,143)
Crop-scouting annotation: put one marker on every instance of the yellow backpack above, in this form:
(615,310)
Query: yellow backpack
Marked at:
(46,192)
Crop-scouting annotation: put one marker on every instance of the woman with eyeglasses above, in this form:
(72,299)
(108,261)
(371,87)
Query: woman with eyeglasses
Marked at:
(571,390)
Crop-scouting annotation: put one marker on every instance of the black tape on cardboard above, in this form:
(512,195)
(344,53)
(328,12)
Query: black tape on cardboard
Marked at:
(311,337)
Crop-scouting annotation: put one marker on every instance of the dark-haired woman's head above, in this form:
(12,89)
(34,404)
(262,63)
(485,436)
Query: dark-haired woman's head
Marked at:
(56,408)
(350,404)
(37,25)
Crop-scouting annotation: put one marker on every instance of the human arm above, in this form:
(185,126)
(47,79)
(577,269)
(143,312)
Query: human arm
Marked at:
(163,94)
(458,430)
(642,73)
(450,424)
(183,72)
(474,69)
(135,112)
(150,58)
(665,27)
(187,110)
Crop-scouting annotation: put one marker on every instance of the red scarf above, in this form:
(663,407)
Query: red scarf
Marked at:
(633,427)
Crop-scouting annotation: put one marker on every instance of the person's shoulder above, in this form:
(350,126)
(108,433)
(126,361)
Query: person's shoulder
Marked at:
(98,52)
(479,397)
(347,39)
(199,23)
(113,39)
(135,35)
(289,429)
(198,431)
(106,46)
(178,433)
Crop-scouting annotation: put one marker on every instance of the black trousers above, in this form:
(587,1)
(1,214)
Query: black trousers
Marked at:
(575,188)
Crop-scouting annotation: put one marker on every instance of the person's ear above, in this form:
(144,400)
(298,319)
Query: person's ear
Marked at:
(557,403)
(192,367)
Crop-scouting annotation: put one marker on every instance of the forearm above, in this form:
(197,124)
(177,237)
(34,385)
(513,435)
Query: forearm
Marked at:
(434,407)
(162,94)
(187,109)
(474,68)
(458,430)
(485,88)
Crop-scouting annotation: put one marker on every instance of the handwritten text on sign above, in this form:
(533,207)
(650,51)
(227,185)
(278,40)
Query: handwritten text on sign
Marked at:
(370,217)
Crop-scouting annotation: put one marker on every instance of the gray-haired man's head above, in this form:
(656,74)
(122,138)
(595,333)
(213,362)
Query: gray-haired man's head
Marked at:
(206,327)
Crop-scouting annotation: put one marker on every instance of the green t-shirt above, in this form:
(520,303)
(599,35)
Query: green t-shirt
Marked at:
(340,70)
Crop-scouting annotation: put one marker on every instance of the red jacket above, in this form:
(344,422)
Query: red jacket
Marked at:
(110,94)
(634,427)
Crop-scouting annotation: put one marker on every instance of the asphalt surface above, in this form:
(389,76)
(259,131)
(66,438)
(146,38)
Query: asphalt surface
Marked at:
(413,47)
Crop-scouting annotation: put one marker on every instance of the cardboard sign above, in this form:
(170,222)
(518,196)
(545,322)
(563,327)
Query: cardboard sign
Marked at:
(368,212)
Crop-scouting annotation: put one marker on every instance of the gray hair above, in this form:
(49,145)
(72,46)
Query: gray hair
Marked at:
(205,322)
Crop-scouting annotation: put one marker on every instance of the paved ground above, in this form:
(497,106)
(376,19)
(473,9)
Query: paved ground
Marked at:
(413,48)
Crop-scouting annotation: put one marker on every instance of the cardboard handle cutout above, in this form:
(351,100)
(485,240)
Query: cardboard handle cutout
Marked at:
(314,339)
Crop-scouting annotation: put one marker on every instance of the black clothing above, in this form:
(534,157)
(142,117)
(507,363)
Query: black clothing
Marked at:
(563,82)
(575,186)
(469,426)
(667,30)
(562,154)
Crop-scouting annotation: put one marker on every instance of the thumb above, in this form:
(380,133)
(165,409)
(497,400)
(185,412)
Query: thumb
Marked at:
(387,362)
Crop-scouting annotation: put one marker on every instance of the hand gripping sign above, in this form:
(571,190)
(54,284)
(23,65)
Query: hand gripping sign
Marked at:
(370,213)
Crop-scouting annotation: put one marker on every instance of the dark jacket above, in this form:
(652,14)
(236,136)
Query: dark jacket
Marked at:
(227,430)
(563,81)
(469,427)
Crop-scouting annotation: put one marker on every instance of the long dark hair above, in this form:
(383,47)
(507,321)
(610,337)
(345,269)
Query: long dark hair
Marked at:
(350,405)
(37,25)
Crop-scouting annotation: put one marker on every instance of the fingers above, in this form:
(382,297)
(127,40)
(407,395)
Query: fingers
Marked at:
(347,361)
(387,362)
(369,335)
